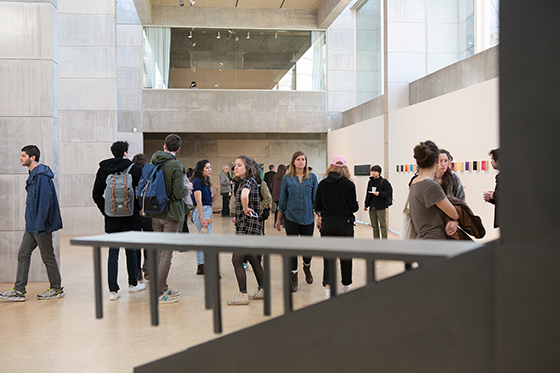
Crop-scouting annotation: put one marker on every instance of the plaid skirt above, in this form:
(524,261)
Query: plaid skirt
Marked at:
(246,225)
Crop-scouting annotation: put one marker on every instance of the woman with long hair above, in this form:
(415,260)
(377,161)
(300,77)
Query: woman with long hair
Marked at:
(427,200)
(336,204)
(275,185)
(247,222)
(203,200)
(297,199)
(449,181)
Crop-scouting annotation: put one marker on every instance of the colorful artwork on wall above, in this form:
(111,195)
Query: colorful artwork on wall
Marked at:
(454,166)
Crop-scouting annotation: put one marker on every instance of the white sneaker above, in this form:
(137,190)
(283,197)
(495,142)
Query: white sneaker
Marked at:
(327,294)
(241,300)
(259,294)
(172,293)
(164,299)
(346,289)
(139,287)
(114,295)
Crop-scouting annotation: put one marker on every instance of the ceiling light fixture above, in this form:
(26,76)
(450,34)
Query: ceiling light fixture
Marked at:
(190,34)
(217,37)
(248,35)
(275,35)
(192,2)
(181,3)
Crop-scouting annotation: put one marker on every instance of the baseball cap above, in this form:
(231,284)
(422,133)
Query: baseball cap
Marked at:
(339,160)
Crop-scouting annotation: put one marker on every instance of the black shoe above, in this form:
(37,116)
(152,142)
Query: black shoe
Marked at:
(294,286)
(200,269)
(308,275)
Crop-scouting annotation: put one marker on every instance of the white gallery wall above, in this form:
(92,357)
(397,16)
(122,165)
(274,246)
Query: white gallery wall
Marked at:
(465,122)
(361,143)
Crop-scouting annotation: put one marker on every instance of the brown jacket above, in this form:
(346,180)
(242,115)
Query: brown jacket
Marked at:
(469,223)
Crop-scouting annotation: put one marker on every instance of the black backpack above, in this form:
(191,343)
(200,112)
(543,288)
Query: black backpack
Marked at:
(391,196)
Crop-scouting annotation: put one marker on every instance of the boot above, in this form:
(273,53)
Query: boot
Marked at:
(294,282)
(308,275)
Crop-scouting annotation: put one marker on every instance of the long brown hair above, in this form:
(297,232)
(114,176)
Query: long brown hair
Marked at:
(448,182)
(292,169)
(339,170)
(250,170)
(281,171)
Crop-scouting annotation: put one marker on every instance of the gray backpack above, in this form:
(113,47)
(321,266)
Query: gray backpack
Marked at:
(119,194)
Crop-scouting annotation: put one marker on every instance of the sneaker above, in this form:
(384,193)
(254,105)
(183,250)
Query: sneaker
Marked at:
(172,293)
(146,276)
(346,289)
(164,298)
(259,294)
(13,295)
(245,266)
(135,289)
(241,300)
(200,269)
(327,294)
(51,294)
(114,295)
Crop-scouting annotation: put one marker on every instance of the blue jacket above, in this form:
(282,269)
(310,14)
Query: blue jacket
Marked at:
(297,200)
(42,213)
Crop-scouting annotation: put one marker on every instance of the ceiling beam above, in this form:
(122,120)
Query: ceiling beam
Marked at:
(144,10)
(329,11)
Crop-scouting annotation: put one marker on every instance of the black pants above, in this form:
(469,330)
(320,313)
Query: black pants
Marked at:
(295,229)
(146,227)
(338,229)
(225,204)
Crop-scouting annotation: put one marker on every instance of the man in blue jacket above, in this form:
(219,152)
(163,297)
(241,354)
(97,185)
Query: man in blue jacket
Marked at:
(42,218)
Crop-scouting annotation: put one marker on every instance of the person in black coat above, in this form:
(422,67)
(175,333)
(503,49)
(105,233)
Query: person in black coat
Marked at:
(336,203)
(378,193)
(120,162)
(492,196)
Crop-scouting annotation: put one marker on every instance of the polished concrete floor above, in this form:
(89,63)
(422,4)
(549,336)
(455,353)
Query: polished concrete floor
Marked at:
(63,335)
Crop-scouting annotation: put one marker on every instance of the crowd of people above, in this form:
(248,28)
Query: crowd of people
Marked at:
(300,202)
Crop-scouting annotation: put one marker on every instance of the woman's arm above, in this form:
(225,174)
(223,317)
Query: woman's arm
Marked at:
(449,210)
(198,198)
(245,202)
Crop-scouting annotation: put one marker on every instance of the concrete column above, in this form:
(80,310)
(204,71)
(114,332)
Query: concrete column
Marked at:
(28,115)
(87,105)
(129,76)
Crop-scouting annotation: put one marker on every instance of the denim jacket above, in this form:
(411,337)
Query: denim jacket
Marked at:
(42,214)
(297,199)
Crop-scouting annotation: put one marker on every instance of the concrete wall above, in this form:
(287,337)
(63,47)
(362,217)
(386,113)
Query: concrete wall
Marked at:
(28,115)
(223,148)
(87,105)
(237,111)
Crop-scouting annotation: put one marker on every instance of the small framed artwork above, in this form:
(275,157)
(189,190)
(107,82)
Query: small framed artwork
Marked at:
(475,165)
(467,166)
(362,170)
(484,165)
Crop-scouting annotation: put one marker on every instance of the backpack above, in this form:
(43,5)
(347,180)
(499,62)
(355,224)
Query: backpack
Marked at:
(391,196)
(151,191)
(266,200)
(119,194)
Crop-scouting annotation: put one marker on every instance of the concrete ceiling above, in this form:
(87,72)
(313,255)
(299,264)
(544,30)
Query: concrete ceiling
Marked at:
(259,4)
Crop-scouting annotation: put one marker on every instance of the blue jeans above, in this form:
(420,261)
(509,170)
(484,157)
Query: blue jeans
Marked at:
(113,268)
(207,211)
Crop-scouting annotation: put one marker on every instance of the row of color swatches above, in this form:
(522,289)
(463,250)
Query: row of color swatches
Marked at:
(455,166)
(406,168)
(469,166)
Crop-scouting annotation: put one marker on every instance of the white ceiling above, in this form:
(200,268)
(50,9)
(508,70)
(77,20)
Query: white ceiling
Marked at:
(270,4)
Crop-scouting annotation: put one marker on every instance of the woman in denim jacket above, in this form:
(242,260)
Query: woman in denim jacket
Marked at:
(297,198)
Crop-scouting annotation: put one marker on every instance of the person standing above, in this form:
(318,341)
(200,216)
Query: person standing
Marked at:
(449,181)
(297,200)
(247,222)
(140,160)
(275,188)
(119,163)
(336,204)
(492,196)
(225,189)
(269,175)
(42,218)
(170,220)
(203,200)
(427,200)
(378,192)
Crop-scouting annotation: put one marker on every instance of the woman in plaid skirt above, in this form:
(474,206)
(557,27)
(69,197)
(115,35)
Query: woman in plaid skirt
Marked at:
(247,222)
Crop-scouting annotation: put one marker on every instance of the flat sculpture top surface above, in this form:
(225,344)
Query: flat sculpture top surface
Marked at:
(292,245)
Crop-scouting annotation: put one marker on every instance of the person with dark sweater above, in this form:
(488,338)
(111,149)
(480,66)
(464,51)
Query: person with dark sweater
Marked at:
(378,192)
(119,163)
(492,196)
(336,203)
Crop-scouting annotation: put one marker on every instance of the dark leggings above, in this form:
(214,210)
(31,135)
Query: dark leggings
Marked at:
(295,229)
(237,260)
(338,229)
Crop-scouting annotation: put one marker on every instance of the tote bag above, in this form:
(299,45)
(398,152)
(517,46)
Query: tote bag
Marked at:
(407,229)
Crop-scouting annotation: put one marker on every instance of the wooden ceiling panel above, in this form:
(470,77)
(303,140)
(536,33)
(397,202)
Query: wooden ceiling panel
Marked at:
(209,3)
(263,4)
(302,4)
